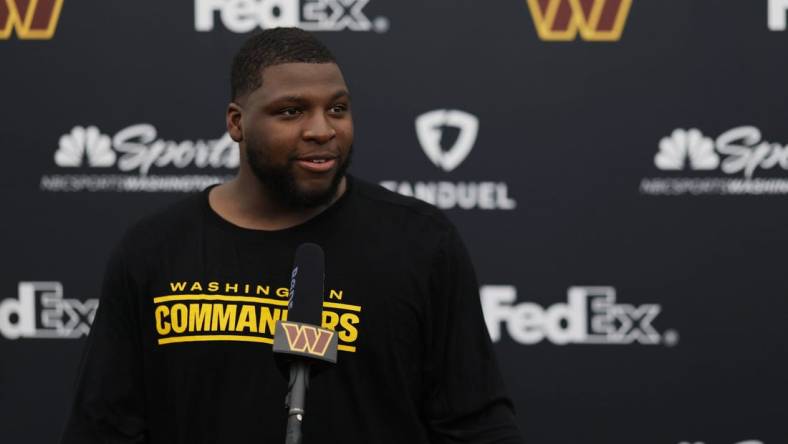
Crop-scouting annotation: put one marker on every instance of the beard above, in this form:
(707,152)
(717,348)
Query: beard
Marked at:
(280,181)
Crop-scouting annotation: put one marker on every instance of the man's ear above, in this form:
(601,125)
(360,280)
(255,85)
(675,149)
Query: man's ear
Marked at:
(234,121)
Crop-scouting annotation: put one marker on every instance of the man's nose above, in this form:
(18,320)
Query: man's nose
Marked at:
(319,129)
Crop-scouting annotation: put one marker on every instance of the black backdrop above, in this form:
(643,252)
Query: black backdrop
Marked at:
(621,197)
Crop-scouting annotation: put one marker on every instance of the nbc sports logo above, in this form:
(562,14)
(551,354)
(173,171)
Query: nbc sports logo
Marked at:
(737,162)
(32,19)
(595,20)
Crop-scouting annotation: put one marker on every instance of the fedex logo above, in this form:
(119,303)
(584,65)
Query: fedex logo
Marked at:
(32,19)
(590,316)
(40,311)
(242,16)
(594,20)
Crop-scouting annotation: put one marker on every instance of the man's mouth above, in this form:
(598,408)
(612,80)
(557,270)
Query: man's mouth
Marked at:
(317,163)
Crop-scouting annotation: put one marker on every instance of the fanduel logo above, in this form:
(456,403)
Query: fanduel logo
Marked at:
(137,150)
(591,316)
(777,13)
(40,311)
(429,130)
(739,151)
(594,20)
(312,15)
(431,127)
(32,19)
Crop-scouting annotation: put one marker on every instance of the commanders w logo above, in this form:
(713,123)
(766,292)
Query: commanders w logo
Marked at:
(306,339)
(596,20)
(32,19)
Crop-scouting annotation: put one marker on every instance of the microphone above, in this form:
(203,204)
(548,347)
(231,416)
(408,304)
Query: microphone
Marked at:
(300,340)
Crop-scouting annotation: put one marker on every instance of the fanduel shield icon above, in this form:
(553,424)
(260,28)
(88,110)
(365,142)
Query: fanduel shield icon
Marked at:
(429,128)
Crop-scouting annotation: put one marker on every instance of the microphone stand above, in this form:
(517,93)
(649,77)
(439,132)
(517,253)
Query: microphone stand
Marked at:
(295,400)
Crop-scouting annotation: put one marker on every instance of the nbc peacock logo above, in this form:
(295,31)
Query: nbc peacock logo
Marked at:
(85,145)
(686,148)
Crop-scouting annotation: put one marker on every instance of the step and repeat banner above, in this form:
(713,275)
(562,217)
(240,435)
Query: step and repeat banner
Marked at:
(617,169)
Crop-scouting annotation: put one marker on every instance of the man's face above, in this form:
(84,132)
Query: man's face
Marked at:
(298,132)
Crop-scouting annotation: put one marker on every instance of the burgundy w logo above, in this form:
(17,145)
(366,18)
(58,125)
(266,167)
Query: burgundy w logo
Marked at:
(32,19)
(595,20)
(307,339)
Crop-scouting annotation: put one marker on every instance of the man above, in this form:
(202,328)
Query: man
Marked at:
(180,348)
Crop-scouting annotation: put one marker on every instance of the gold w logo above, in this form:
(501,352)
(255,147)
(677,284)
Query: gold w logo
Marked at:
(596,20)
(32,19)
(306,339)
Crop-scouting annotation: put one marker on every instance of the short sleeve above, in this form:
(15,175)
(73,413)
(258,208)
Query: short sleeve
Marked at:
(109,401)
(466,400)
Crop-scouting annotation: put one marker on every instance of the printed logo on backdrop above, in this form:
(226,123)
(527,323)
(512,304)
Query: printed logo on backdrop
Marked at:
(738,162)
(591,315)
(432,129)
(749,441)
(40,311)
(429,130)
(593,20)
(243,16)
(136,159)
(778,9)
(31,19)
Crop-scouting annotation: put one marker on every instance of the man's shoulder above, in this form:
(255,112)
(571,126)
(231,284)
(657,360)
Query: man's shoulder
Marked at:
(404,210)
(176,220)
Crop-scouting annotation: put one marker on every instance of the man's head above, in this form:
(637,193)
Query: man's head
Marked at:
(290,113)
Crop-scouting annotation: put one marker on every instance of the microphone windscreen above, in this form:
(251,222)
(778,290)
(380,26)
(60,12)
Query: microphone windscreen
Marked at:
(306,285)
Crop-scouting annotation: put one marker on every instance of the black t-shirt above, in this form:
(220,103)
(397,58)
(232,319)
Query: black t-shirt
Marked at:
(180,349)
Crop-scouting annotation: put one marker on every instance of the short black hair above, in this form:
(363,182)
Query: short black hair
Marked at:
(273,47)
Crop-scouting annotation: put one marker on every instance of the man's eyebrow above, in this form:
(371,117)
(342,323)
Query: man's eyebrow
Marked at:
(290,98)
(300,99)
(340,94)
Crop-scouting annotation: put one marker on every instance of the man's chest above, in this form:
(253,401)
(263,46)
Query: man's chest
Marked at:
(376,309)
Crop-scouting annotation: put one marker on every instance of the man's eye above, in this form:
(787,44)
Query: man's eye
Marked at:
(290,112)
(339,108)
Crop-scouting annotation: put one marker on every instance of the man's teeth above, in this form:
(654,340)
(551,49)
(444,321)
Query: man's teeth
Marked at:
(318,160)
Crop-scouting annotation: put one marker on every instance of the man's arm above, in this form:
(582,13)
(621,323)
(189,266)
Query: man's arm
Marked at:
(466,400)
(109,406)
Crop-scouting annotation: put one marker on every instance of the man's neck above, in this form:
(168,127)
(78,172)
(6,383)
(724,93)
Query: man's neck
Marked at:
(245,202)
